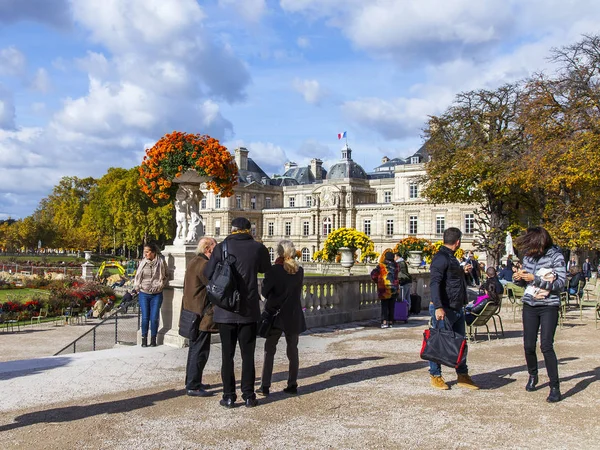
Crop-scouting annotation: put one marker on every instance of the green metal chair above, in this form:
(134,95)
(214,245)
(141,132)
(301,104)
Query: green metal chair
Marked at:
(578,296)
(515,302)
(562,312)
(481,320)
(588,299)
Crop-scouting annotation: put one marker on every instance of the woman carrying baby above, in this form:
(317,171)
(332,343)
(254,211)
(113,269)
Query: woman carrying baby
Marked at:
(543,274)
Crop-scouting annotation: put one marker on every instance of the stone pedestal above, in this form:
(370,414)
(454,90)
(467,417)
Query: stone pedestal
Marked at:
(177,258)
(87,271)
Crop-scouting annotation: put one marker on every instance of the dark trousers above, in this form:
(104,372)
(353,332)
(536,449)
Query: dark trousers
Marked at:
(292,354)
(545,317)
(231,334)
(387,309)
(196,361)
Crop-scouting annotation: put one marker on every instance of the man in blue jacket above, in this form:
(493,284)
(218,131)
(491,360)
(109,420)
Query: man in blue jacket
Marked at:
(448,297)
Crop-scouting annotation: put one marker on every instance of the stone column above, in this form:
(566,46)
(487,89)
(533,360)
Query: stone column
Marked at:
(178,255)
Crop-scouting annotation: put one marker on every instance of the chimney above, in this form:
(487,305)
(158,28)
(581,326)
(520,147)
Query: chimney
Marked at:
(241,158)
(316,168)
(289,165)
(384,160)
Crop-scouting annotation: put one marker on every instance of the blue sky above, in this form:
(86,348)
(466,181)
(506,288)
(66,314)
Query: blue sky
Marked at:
(86,85)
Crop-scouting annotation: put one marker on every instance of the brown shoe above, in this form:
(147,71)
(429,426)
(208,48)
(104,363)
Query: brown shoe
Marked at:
(464,380)
(438,382)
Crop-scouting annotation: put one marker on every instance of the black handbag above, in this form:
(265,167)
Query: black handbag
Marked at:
(444,346)
(266,323)
(189,324)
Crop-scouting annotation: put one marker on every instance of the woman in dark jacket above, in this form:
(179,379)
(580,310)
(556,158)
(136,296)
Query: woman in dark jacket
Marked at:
(386,277)
(282,287)
(544,275)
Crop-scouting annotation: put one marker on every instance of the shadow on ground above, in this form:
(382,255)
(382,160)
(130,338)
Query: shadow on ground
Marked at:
(14,369)
(71,413)
(355,376)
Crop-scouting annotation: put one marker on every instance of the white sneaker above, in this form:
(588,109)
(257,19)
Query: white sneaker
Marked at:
(384,325)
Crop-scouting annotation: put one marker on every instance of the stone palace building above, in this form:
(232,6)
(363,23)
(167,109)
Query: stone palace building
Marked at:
(306,203)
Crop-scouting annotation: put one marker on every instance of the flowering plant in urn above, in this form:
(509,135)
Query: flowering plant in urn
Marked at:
(411,244)
(177,152)
(345,237)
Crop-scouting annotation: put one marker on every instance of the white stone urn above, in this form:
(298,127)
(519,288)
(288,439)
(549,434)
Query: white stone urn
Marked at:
(88,254)
(415,258)
(347,259)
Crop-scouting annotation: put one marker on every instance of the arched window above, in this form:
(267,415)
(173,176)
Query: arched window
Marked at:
(326,226)
(305,255)
(272,254)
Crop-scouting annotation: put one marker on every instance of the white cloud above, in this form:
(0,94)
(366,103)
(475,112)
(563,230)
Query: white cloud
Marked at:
(12,61)
(250,10)
(443,30)
(311,90)
(41,81)
(7,110)
(303,42)
(394,119)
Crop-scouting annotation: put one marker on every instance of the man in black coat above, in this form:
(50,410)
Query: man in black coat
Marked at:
(251,258)
(448,297)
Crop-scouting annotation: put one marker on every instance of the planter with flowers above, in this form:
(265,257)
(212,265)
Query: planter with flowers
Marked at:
(177,153)
(176,166)
(345,242)
(434,248)
(413,250)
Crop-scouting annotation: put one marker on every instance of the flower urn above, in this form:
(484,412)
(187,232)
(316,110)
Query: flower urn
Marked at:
(347,257)
(415,258)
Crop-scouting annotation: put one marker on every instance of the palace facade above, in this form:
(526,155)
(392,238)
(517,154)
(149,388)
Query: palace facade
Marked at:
(306,203)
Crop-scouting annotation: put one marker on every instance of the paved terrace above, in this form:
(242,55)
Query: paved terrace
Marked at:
(360,386)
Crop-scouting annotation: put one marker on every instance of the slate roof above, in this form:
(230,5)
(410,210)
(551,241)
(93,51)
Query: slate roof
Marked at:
(254,173)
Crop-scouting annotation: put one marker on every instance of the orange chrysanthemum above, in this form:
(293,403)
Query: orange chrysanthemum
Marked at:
(177,152)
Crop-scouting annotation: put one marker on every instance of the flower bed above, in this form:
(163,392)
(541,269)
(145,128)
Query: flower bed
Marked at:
(61,294)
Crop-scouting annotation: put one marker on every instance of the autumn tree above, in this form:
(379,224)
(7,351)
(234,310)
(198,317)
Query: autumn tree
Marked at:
(561,117)
(475,147)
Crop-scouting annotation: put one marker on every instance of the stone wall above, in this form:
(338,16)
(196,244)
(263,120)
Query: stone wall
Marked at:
(326,300)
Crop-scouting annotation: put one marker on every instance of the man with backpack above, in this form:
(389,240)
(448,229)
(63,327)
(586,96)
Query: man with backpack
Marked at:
(237,320)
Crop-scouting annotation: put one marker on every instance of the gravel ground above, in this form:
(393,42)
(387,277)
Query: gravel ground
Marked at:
(360,387)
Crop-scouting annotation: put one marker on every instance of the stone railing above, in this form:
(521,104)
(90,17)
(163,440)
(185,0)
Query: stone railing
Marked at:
(330,300)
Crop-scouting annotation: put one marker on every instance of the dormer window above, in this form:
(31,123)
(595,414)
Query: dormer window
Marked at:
(414,160)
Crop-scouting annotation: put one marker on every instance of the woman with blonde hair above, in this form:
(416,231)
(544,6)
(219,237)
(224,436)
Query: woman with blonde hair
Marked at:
(282,287)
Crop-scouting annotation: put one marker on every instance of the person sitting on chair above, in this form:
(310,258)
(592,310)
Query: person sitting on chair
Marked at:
(576,277)
(492,293)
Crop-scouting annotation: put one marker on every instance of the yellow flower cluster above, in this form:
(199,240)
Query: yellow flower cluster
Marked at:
(345,237)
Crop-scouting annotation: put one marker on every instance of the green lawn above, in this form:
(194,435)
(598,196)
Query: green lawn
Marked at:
(22,259)
(21,294)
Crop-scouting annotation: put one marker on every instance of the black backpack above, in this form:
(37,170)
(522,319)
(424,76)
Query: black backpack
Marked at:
(222,288)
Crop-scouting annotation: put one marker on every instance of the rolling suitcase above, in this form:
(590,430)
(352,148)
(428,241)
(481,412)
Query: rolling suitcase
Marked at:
(401,311)
(415,303)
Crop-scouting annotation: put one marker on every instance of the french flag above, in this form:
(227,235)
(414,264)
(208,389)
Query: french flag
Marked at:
(341,135)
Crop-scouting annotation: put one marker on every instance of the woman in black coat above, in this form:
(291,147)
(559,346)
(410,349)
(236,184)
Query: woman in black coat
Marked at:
(282,287)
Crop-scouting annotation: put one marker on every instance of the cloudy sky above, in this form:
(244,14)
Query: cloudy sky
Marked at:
(88,84)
